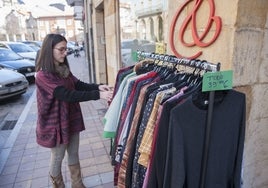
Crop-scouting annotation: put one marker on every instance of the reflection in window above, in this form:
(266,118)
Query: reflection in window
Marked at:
(160,28)
(153,38)
(143,29)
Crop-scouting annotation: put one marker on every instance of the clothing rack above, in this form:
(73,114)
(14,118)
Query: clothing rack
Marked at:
(202,65)
(195,63)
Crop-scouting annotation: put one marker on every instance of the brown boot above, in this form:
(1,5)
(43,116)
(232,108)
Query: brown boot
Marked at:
(57,181)
(76,177)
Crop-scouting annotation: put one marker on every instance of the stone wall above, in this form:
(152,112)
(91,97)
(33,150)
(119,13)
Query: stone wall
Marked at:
(242,46)
(106,40)
(99,44)
(250,64)
(112,36)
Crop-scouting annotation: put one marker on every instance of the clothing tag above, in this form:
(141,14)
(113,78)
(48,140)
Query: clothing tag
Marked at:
(221,80)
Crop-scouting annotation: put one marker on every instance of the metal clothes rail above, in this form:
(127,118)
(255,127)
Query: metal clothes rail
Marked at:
(196,63)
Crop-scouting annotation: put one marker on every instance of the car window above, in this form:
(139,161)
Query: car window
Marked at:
(34,47)
(39,43)
(8,55)
(126,44)
(19,48)
(3,46)
(130,44)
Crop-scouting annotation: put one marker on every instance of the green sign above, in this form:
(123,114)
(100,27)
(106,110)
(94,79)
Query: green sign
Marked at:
(134,56)
(222,80)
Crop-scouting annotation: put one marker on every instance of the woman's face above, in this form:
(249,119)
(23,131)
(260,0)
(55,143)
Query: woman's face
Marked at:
(60,52)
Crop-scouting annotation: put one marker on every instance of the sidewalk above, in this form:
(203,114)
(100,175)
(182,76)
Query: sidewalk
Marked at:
(25,164)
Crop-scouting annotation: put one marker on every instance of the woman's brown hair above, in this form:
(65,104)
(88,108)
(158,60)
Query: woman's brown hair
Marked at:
(45,57)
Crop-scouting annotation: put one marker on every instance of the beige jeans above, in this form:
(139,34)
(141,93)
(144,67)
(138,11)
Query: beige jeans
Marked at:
(58,153)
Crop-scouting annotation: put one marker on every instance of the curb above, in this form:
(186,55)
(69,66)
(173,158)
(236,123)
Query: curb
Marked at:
(13,136)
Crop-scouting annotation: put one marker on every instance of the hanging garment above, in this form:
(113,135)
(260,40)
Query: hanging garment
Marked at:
(132,90)
(158,160)
(125,172)
(186,137)
(159,139)
(111,118)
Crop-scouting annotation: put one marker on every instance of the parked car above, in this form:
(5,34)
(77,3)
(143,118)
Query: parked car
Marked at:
(127,47)
(33,44)
(70,48)
(80,46)
(148,47)
(12,84)
(130,43)
(126,57)
(22,49)
(11,60)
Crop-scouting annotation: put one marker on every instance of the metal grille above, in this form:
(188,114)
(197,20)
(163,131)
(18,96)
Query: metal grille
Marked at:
(13,84)
(9,125)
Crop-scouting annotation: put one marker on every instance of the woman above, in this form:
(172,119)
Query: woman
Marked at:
(59,114)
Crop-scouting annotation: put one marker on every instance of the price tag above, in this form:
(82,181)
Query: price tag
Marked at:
(160,48)
(222,80)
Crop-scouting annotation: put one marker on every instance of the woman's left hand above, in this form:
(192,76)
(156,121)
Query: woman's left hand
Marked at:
(105,88)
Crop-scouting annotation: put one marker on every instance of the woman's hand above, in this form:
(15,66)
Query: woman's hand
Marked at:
(106,92)
(105,88)
(106,95)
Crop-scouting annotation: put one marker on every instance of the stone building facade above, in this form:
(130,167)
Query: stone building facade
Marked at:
(30,23)
(242,47)
(237,38)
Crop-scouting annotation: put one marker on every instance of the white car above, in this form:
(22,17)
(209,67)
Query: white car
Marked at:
(12,84)
(132,45)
